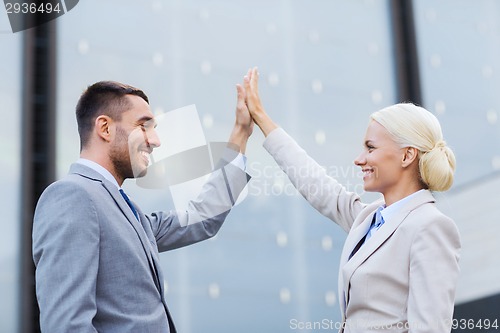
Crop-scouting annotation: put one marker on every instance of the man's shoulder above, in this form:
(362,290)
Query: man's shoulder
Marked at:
(73,181)
(73,186)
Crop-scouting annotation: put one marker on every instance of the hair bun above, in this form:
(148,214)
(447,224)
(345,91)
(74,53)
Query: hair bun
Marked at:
(437,167)
(440,144)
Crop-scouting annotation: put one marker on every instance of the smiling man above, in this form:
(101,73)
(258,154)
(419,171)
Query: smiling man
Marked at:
(95,251)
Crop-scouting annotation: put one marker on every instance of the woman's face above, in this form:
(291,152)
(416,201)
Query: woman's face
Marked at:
(380,161)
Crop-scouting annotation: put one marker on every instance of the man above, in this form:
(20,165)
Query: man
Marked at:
(96,252)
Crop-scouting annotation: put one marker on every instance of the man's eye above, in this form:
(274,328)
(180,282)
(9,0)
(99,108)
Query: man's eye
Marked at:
(148,126)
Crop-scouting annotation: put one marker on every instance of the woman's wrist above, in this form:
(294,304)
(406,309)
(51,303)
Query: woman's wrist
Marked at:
(265,123)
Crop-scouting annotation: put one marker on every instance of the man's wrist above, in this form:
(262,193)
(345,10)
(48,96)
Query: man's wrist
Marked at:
(239,137)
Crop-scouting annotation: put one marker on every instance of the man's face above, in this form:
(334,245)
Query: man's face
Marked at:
(134,141)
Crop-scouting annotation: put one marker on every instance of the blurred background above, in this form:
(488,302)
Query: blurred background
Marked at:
(324,67)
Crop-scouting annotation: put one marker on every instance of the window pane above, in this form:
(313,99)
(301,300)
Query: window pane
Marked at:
(10,143)
(460,60)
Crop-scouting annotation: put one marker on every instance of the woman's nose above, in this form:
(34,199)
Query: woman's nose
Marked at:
(360,160)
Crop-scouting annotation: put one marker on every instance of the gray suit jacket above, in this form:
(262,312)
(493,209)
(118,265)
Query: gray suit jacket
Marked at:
(97,266)
(404,278)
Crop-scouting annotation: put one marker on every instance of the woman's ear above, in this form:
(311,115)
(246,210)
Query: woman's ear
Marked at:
(410,155)
(105,128)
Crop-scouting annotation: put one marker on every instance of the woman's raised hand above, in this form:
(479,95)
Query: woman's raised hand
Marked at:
(254,104)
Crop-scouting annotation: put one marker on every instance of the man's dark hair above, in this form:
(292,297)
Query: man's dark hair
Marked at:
(103,98)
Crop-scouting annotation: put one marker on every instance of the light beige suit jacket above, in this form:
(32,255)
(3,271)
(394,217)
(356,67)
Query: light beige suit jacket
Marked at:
(404,278)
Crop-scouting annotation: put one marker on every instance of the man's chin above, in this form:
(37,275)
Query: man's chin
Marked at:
(140,172)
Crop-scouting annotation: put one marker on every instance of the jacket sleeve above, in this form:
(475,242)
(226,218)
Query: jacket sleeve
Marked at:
(323,192)
(66,254)
(434,273)
(204,215)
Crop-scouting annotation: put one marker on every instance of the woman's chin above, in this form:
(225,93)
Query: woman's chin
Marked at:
(369,188)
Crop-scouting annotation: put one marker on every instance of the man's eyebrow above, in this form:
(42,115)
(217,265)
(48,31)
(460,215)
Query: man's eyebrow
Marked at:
(146,119)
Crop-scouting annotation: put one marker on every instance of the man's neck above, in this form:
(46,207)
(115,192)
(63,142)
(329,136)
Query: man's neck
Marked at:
(103,162)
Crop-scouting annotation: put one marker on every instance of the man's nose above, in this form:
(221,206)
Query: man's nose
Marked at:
(153,140)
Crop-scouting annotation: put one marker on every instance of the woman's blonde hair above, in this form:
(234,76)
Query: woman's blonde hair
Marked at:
(414,126)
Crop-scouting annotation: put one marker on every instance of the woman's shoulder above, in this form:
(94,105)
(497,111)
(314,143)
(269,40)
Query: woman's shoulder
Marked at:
(428,220)
(430,213)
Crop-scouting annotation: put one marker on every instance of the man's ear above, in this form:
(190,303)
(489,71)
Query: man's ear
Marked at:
(105,128)
(410,155)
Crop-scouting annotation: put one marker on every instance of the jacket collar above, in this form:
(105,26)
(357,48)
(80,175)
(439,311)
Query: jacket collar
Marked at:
(112,188)
(98,168)
(348,267)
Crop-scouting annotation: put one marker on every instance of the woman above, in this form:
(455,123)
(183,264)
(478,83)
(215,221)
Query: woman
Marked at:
(399,265)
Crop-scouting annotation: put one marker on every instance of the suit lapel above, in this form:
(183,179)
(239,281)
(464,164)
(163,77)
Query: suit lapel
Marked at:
(156,271)
(124,207)
(358,231)
(138,227)
(348,267)
(153,250)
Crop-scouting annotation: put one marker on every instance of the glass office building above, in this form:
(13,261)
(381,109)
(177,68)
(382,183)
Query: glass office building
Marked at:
(324,66)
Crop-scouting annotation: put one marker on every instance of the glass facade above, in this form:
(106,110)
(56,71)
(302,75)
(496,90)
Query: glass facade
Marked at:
(459,51)
(10,161)
(460,40)
(325,66)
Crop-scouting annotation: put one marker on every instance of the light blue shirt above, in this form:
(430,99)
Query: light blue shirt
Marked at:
(387,213)
(99,169)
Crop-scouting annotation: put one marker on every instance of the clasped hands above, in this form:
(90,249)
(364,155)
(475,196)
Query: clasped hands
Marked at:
(249,103)
(249,110)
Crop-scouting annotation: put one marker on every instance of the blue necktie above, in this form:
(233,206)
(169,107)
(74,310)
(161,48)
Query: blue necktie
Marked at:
(379,220)
(129,203)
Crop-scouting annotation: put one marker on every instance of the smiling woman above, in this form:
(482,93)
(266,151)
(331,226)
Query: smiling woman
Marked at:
(387,168)
(413,126)
(405,152)
(401,253)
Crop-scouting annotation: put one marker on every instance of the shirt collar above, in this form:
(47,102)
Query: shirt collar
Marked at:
(100,169)
(387,212)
